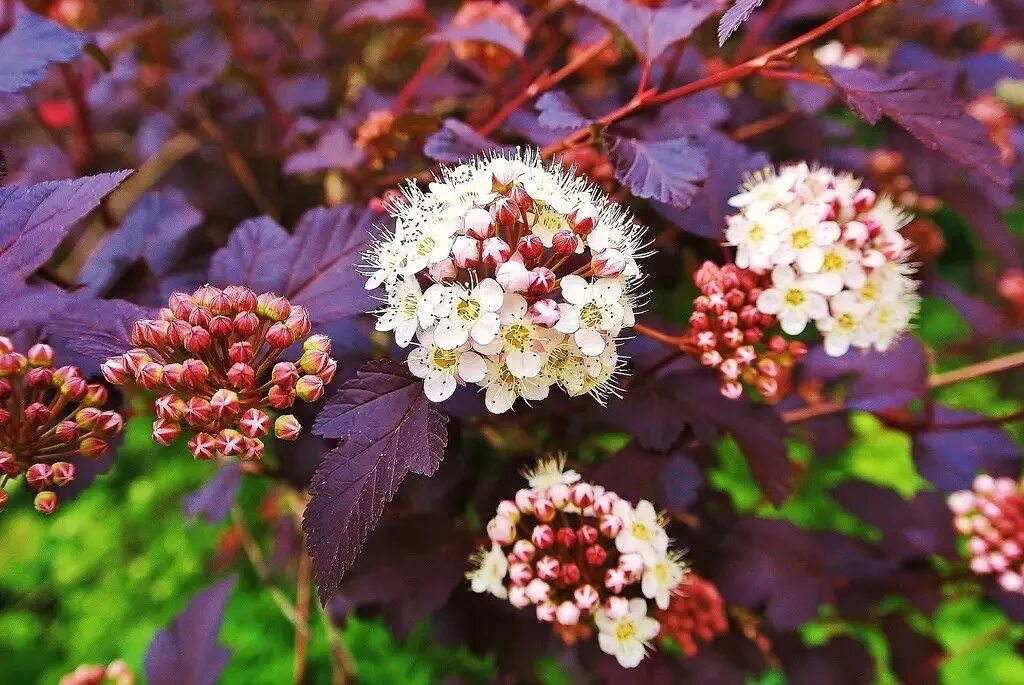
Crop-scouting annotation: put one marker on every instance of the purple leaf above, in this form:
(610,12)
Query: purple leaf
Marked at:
(381,11)
(950,459)
(334,149)
(882,380)
(258,254)
(187,651)
(734,17)
(984,319)
(760,435)
(559,112)
(33,44)
(669,171)
(652,31)
(322,272)
(489,31)
(98,329)
(983,70)
(35,219)
(213,501)
(918,527)
(201,58)
(29,306)
(387,428)
(915,658)
(456,141)
(924,106)
(987,220)
(840,661)
(155,230)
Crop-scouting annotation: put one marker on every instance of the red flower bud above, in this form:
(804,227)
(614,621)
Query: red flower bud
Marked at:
(309,388)
(177,331)
(198,340)
(45,502)
(5,417)
(36,414)
(12,364)
(225,404)
(170,407)
(108,424)
(74,389)
(478,224)
(252,450)
(279,336)
(199,317)
(520,198)
(92,447)
(273,307)
(9,464)
(583,219)
(96,395)
(150,375)
(530,246)
(5,345)
(596,555)
(40,355)
(242,299)
(246,323)
(85,418)
(241,376)
(280,397)
(543,536)
(319,342)
(254,423)
(220,327)
(62,473)
(298,322)
(203,446)
(174,376)
(39,476)
(542,280)
(287,427)
(230,442)
(495,252)
(197,412)
(570,574)
(241,352)
(204,295)
(505,213)
(587,535)
(194,373)
(220,304)
(327,374)
(565,243)
(180,304)
(39,377)
(67,431)
(285,374)
(566,537)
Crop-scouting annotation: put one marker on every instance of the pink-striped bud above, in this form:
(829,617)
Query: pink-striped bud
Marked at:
(96,395)
(615,579)
(45,502)
(287,427)
(93,448)
(67,431)
(230,443)
(567,614)
(36,414)
(246,323)
(605,502)
(273,307)
(241,352)
(242,299)
(309,388)
(39,377)
(586,597)
(520,573)
(537,590)
(280,397)
(501,530)
(62,473)
(518,195)
(225,404)
(524,500)
(565,243)
(298,322)
(530,246)
(165,432)
(570,574)
(9,464)
(194,373)
(108,424)
(466,252)
(542,537)
(241,376)
(252,449)
(197,340)
(197,412)
(495,252)
(115,372)
(565,537)
(582,495)
(254,423)
(74,389)
(523,550)
(548,568)
(596,555)
(583,219)
(732,389)
(609,263)
(40,355)
(285,374)
(544,509)
(610,525)
(546,611)
(587,535)
(542,280)
(513,277)
(314,361)
(169,407)
(220,327)
(545,312)
(39,476)
(203,446)
(478,223)
(279,337)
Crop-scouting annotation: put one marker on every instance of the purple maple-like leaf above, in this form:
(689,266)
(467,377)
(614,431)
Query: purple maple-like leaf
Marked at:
(951,458)
(98,329)
(35,219)
(323,276)
(213,501)
(881,380)
(257,255)
(201,58)
(187,652)
(25,307)
(381,11)
(488,30)
(457,142)
(734,18)
(918,527)
(387,428)
(652,31)
(669,171)
(334,149)
(924,106)
(155,231)
(558,111)
(33,44)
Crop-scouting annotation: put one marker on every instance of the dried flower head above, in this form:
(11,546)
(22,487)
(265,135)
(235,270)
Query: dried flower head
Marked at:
(695,615)
(991,515)
(48,414)
(510,274)
(583,558)
(834,253)
(213,357)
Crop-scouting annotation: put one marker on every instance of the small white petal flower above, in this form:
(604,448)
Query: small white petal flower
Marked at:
(642,531)
(661,579)
(627,638)
(489,574)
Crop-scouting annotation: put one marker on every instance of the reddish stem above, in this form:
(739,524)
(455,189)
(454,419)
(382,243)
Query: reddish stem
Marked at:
(430,62)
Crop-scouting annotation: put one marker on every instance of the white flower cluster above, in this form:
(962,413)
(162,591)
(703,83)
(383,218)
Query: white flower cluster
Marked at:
(583,558)
(834,251)
(510,274)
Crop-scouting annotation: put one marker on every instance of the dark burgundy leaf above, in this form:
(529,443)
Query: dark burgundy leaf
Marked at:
(33,44)
(734,17)
(29,306)
(652,31)
(924,106)
(98,329)
(35,219)
(213,501)
(918,527)
(559,112)
(187,651)
(456,142)
(381,11)
(334,149)
(155,230)
(682,482)
(984,70)
(728,162)
(915,658)
(387,428)
(322,273)
(987,220)
(951,458)
(984,319)
(669,171)
(881,380)
(840,661)
(760,435)
(258,255)
(303,92)
(490,31)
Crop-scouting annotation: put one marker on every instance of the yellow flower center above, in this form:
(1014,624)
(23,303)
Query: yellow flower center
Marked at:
(869,291)
(410,305)
(425,246)
(468,310)
(802,239)
(558,358)
(625,631)
(846,322)
(552,221)
(641,531)
(444,359)
(833,261)
(757,233)
(517,336)
(590,316)
(795,298)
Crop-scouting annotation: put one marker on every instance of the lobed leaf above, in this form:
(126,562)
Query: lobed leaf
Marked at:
(669,171)
(491,31)
(214,500)
(387,428)
(559,112)
(653,30)
(456,142)
(381,11)
(33,44)
(950,459)
(734,18)
(97,328)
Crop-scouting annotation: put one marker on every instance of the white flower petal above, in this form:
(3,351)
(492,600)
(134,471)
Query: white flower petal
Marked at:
(770,301)
(591,343)
(472,367)
(575,289)
(439,387)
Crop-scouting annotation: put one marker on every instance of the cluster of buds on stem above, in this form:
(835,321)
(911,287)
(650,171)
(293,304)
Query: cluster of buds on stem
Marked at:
(991,515)
(47,414)
(583,558)
(695,615)
(116,673)
(214,358)
(729,332)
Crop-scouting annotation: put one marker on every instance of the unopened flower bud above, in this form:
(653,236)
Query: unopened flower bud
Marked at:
(225,404)
(596,555)
(586,597)
(254,423)
(513,277)
(523,550)
(39,476)
(583,219)
(241,376)
(198,340)
(108,424)
(230,443)
(610,525)
(466,252)
(278,336)
(495,252)
(615,579)
(309,388)
(542,537)
(242,299)
(67,431)
(608,263)
(530,246)
(40,355)
(273,307)
(203,446)
(287,427)
(114,371)
(617,607)
(36,414)
(524,500)
(93,447)
(542,280)
(537,590)
(544,509)
(298,322)
(517,597)
(252,449)
(508,509)
(587,535)
(280,397)
(546,611)
(567,614)
(478,223)
(45,502)
(565,243)
(39,377)
(501,530)
(165,432)
(548,568)
(220,326)
(246,323)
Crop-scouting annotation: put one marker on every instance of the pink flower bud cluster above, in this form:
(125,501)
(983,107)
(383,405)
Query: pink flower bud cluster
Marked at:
(991,516)
(213,359)
(581,558)
(510,274)
(695,616)
(48,413)
(728,332)
(116,673)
